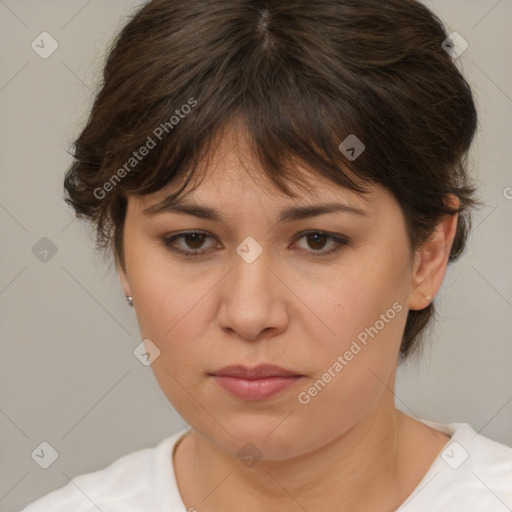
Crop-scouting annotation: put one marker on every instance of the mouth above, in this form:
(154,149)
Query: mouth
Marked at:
(258,383)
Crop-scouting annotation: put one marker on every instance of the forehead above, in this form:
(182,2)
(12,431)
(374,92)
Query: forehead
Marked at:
(231,191)
(231,176)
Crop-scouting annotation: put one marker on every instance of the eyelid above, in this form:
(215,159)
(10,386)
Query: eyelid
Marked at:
(339,239)
(167,241)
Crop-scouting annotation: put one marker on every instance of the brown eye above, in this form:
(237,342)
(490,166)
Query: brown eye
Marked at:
(317,240)
(193,241)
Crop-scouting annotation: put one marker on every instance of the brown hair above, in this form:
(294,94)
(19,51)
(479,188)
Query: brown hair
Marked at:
(303,76)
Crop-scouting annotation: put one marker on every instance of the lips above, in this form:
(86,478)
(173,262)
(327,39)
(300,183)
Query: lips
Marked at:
(258,372)
(259,383)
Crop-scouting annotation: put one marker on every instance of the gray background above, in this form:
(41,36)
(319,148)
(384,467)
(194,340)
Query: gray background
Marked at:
(67,372)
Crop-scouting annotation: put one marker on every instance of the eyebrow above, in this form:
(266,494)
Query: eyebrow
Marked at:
(290,214)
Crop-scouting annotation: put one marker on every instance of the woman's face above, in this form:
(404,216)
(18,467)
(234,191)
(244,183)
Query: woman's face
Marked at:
(263,291)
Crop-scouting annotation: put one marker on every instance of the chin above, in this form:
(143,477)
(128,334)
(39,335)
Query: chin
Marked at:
(260,437)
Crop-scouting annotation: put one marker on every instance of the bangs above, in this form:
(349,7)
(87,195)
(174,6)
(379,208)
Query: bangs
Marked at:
(281,138)
(291,96)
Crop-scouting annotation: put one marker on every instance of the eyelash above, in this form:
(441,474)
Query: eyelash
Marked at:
(168,241)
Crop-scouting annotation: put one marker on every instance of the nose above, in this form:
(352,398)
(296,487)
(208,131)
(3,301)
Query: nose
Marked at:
(253,299)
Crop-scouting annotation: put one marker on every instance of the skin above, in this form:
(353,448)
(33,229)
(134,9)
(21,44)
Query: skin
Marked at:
(349,448)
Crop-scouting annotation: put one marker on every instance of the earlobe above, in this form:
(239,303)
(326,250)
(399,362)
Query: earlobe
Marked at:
(431,260)
(124,280)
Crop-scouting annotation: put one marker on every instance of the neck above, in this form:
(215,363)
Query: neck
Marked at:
(358,470)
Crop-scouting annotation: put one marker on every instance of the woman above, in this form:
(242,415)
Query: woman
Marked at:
(283,185)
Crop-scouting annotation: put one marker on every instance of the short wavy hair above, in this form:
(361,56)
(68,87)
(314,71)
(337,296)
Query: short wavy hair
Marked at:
(302,75)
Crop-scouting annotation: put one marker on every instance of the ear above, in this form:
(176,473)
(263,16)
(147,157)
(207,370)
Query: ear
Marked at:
(431,259)
(125,283)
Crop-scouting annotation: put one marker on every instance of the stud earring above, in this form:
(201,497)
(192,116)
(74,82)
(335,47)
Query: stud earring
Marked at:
(428,297)
(129,300)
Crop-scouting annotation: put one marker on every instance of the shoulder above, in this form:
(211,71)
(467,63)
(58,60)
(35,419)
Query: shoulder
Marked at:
(126,483)
(490,464)
(472,472)
(469,454)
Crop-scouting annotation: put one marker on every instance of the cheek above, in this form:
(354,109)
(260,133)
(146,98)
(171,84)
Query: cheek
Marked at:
(355,300)
(166,295)
(363,306)
(356,363)
(174,311)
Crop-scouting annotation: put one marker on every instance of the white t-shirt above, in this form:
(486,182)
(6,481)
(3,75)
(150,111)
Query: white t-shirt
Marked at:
(471,474)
